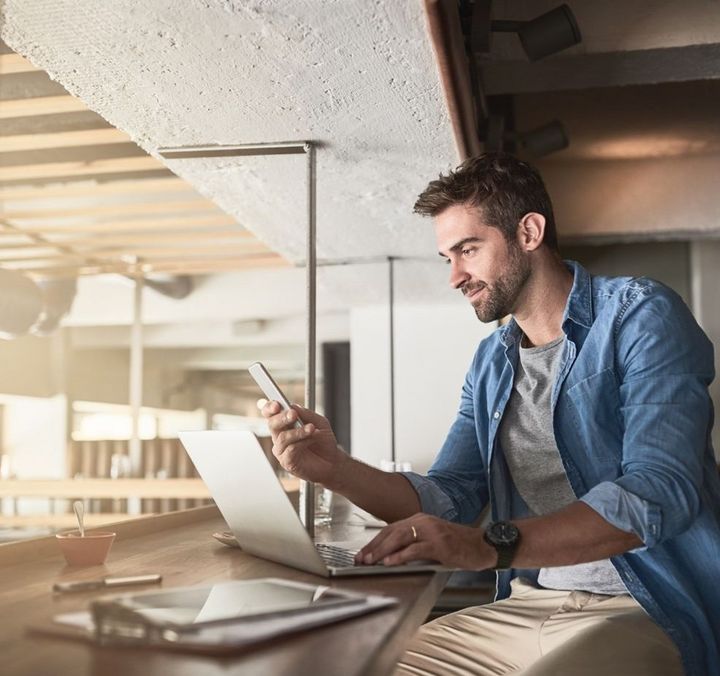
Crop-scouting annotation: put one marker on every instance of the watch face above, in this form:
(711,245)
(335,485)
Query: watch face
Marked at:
(504,533)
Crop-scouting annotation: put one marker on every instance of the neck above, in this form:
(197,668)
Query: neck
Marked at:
(540,309)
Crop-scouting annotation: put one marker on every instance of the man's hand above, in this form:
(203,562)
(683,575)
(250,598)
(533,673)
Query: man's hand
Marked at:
(310,452)
(425,537)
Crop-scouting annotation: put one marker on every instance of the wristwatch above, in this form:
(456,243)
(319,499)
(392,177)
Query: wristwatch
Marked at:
(505,538)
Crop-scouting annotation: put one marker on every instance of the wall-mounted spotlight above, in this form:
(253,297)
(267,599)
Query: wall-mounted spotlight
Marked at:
(548,138)
(546,34)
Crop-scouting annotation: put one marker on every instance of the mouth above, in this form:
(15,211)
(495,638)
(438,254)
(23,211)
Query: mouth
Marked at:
(473,292)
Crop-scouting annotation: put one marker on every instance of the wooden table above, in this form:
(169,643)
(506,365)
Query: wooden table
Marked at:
(179,545)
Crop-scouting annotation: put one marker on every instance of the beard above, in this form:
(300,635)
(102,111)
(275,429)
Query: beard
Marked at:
(500,297)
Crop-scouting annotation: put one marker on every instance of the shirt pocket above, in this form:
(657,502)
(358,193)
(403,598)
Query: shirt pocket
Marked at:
(597,421)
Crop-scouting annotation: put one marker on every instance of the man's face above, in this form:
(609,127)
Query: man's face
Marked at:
(490,271)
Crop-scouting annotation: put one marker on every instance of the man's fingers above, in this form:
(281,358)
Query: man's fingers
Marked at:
(293,436)
(417,551)
(270,409)
(390,539)
(308,416)
(281,420)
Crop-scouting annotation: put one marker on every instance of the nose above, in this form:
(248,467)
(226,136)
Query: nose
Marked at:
(458,276)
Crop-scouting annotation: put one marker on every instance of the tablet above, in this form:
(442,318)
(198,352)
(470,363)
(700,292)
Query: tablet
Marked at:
(224,602)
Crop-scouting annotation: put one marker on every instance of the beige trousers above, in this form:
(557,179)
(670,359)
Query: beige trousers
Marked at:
(541,632)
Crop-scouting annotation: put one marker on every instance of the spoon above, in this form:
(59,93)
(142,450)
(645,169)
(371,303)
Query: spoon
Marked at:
(80,514)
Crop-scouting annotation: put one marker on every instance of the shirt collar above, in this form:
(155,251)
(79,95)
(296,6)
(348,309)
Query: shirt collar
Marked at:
(578,308)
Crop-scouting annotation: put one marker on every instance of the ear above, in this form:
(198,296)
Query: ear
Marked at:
(531,231)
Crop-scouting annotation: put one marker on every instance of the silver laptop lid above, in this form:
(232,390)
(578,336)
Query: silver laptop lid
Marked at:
(251,499)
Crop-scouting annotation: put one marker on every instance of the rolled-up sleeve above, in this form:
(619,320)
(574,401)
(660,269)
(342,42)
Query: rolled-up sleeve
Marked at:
(432,499)
(626,511)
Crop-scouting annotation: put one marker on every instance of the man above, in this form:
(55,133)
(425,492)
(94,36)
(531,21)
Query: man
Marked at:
(585,424)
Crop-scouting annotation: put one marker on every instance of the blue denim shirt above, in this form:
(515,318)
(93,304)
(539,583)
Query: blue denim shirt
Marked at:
(632,419)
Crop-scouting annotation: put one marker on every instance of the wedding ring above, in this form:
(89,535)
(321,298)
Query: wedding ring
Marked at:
(414,532)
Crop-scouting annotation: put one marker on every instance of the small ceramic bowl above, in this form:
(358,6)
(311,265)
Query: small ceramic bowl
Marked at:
(90,550)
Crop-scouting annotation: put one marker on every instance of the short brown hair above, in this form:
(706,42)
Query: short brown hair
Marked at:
(504,187)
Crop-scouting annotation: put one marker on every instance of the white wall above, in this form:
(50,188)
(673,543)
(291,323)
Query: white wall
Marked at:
(34,433)
(434,345)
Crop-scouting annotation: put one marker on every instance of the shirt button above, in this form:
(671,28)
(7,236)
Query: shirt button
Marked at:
(496,415)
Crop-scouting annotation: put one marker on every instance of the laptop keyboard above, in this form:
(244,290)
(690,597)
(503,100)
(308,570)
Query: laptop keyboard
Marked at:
(334,556)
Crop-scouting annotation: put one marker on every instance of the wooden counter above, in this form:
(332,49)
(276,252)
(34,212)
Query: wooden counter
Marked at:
(180,547)
(112,488)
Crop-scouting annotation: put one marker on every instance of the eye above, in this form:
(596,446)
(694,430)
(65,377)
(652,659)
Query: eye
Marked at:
(468,251)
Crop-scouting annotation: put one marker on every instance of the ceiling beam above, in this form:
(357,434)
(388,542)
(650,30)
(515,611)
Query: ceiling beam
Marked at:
(138,238)
(40,105)
(189,251)
(87,187)
(229,236)
(48,252)
(614,69)
(14,63)
(149,224)
(69,169)
(29,86)
(181,266)
(159,208)
(63,139)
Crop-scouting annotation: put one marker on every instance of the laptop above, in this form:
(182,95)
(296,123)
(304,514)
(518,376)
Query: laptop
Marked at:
(255,506)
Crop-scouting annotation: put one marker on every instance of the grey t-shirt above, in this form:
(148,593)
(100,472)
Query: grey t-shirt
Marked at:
(528,443)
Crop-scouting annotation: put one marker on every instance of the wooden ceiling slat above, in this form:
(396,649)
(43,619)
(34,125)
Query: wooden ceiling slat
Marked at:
(212,267)
(78,120)
(18,86)
(82,154)
(40,105)
(58,169)
(64,139)
(148,254)
(174,224)
(138,238)
(84,188)
(14,63)
(132,208)
(180,266)
(46,252)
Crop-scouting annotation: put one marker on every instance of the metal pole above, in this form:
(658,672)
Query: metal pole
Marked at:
(391,291)
(136,386)
(246,149)
(307,488)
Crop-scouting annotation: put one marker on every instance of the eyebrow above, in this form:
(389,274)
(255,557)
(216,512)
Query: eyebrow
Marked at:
(460,245)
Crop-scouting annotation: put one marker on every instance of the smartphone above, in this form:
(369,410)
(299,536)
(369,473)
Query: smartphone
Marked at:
(269,387)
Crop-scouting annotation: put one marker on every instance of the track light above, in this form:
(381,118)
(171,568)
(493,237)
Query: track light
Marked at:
(546,34)
(548,138)
(544,140)
(27,306)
